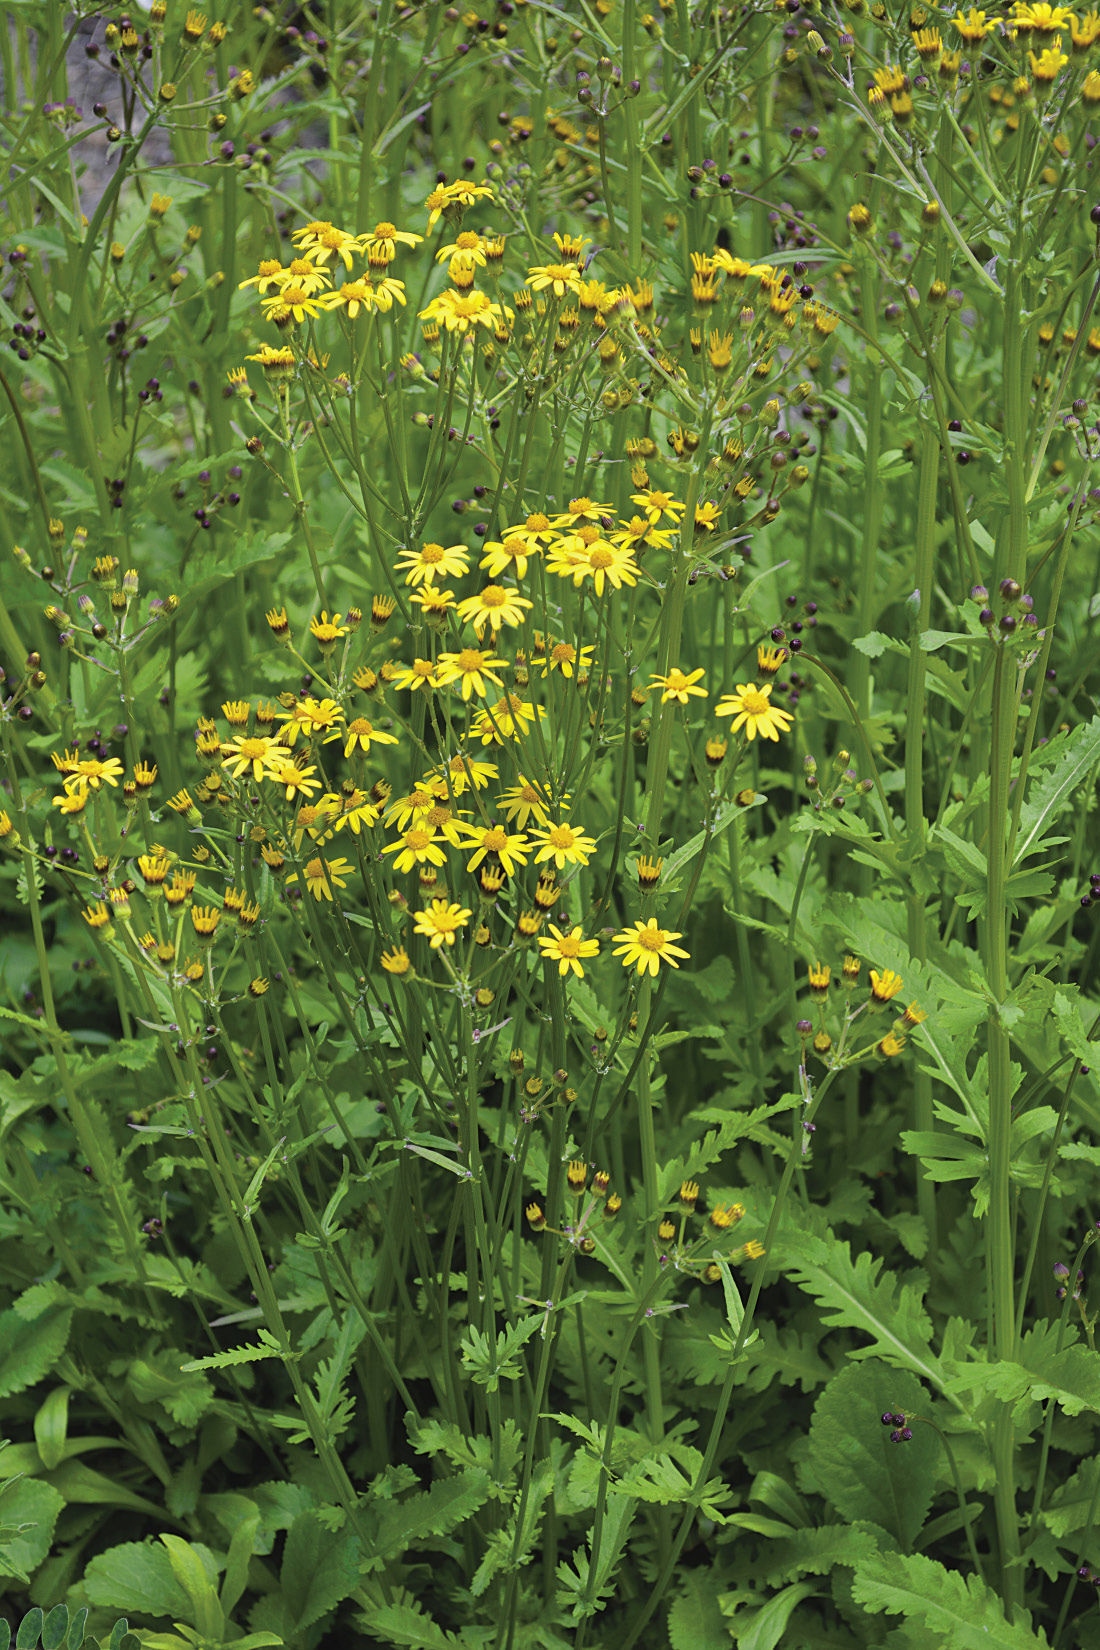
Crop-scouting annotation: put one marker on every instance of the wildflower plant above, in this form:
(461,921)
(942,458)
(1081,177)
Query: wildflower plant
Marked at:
(548,769)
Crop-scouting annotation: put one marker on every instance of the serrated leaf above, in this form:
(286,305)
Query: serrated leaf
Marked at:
(435,1512)
(695,1620)
(29,1509)
(960,1611)
(1077,753)
(320,1569)
(853,1295)
(28,1350)
(136,1576)
(853,1464)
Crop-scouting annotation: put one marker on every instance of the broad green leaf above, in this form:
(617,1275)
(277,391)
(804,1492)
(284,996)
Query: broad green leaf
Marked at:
(137,1576)
(320,1569)
(29,1509)
(853,1464)
(28,1350)
(960,1612)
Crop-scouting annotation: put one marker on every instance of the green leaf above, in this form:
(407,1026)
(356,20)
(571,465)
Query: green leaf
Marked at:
(28,1350)
(26,1634)
(139,1577)
(854,1296)
(30,1508)
(55,1629)
(1078,753)
(450,1501)
(194,1569)
(320,1569)
(1071,1377)
(51,1426)
(853,1464)
(407,1625)
(695,1621)
(769,1623)
(959,1611)
(247,1354)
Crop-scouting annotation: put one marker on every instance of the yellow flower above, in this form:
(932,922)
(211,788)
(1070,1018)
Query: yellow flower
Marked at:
(462,311)
(568,949)
(322,875)
(97,916)
(563,845)
(562,278)
(509,718)
(396,961)
(680,687)
(205,920)
(323,240)
(440,922)
(494,606)
(494,839)
(291,302)
(508,555)
(770,660)
(460,774)
(89,773)
(563,657)
(420,674)
(308,716)
(432,562)
(295,779)
(472,668)
(752,710)
(596,559)
(359,732)
(892,1044)
(655,506)
(646,946)
(523,801)
(259,754)
(327,631)
(973,26)
(70,802)
(884,985)
(418,846)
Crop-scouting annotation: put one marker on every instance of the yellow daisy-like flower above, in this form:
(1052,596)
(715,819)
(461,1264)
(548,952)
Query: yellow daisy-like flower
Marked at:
(258,755)
(974,26)
(707,517)
(412,807)
(351,811)
(361,734)
(463,772)
(432,562)
(469,246)
(508,555)
(752,709)
(462,311)
(645,946)
(90,772)
(472,668)
(323,241)
(494,606)
(1043,19)
(420,674)
(564,658)
(70,802)
(568,949)
(308,716)
(680,687)
(656,505)
(1049,64)
(365,294)
(563,845)
(321,876)
(271,273)
(523,801)
(396,961)
(770,660)
(598,560)
(582,509)
(494,839)
(508,719)
(419,845)
(884,985)
(434,602)
(537,529)
(296,779)
(327,631)
(440,922)
(291,302)
(560,278)
(384,239)
(640,533)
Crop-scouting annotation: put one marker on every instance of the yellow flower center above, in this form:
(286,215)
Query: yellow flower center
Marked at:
(755,702)
(417,840)
(315,870)
(420,800)
(601,557)
(651,939)
(569,945)
(495,839)
(292,295)
(300,267)
(361,728)
(470,659)
(384,231)
(537,523)
(561,836)
(467,241)
(563,653)
(270,266)
(439,816)
(253,748)
(588,534)
(423,668)
(494,595)
(528,793)
(432,554)
(676,680)
(514,547)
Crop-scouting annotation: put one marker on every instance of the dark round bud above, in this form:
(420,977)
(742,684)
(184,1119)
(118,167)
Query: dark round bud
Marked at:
(1008,623)
(1010,590)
